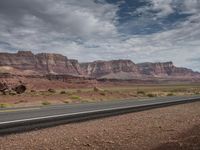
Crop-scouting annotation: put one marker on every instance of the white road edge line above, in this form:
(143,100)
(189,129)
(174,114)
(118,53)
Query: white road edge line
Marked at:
(85,112)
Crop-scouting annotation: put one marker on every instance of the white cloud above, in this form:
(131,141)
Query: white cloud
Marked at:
(63,20)
(191,6)
(88,31)
(164,7)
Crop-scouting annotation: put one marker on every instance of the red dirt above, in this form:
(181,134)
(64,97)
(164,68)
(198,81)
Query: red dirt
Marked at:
(174,127)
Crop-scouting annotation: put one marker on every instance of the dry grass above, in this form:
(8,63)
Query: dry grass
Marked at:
(5,105)
(45,103)
(102,94)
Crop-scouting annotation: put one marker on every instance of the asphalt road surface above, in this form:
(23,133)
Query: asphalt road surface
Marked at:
(21,119)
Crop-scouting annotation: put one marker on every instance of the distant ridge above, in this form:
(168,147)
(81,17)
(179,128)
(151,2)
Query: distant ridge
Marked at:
(27,63)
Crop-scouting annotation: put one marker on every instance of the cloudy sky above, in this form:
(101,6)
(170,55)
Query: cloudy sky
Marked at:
(140,30)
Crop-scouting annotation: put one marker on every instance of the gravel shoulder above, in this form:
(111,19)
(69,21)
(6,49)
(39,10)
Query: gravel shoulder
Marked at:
(176,127)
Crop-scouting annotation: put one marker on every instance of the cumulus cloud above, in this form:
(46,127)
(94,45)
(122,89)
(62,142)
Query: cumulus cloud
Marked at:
(162,7)
(160,30)
(191,6)
(25,23)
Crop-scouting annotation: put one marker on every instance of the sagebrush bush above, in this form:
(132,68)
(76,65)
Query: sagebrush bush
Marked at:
(170,94)
(4,105)
(151,95)
(51,90)
(63,92)
(45,103)
(75,97)
(141,92)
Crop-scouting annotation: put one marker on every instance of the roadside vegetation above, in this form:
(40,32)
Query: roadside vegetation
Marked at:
(97,93)
(45,103)
(75,97)
(5,105)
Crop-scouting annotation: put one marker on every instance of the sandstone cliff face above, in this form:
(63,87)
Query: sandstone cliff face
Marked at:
(77,67)
(42,63)
(26,63)
(55,64)
(166,69)
(126,69)
(25,60)
(156,69)
(109,68)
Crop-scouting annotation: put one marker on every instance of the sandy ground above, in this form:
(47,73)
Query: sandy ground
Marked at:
(176,127)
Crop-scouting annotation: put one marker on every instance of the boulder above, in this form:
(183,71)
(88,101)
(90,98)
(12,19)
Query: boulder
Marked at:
(20,89)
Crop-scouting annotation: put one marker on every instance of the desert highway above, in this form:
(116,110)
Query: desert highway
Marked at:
(23,119)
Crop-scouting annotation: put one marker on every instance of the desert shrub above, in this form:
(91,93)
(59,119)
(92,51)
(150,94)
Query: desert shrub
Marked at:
(75,97)
(178,90)
(96,89)
(108,91)
(12,93)
(170,94)
(151,95)
(69,93)
(51,90)
(102,93)
(79,91)
(197,93)
(66,101)
(4,105)
(63,92)
(21,101)
(45,103)
(85,101)
(141,92)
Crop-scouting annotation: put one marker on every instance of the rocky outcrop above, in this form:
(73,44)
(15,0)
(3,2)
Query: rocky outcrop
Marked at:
(6,88)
